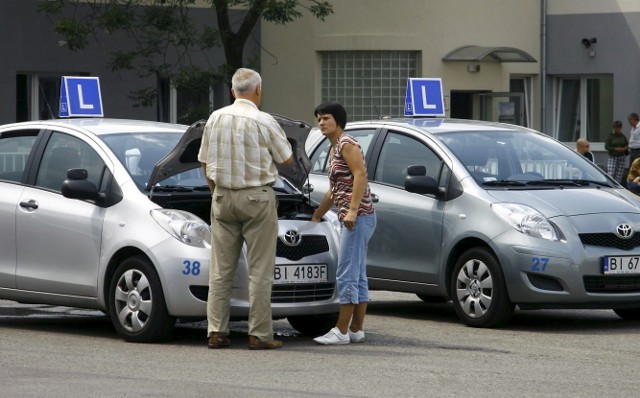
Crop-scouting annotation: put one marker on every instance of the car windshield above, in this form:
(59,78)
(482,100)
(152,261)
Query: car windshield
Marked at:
(520,158)
(139,153)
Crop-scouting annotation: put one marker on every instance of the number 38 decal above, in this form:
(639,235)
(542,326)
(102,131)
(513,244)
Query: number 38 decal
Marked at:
(539,263)
(191,267)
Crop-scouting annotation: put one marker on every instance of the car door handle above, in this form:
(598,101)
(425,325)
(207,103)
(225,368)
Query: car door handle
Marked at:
(32,204)
(374,198)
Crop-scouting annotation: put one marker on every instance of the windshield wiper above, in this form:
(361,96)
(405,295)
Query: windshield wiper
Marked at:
(587,182)
(561,182)
(504,183)
(171,188)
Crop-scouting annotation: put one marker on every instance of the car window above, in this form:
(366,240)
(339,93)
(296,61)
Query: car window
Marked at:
(321,154)
(492,156)
(64,152)
(139,153)
(398,153)
(14,151)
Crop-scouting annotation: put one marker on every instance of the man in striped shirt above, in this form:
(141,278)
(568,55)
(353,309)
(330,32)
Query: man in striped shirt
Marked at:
(240,148)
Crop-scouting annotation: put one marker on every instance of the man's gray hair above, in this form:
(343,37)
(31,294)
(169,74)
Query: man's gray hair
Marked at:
(245,80)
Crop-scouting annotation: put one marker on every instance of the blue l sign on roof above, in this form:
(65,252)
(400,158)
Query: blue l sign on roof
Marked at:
(80,96)
(424,97)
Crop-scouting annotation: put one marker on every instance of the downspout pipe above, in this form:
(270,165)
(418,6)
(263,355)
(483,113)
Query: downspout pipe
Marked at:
(543,65)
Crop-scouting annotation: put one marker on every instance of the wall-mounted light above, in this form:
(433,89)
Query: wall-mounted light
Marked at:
(586,43)
(473,68)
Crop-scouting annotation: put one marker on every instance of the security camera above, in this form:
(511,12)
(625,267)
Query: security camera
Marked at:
(586,43)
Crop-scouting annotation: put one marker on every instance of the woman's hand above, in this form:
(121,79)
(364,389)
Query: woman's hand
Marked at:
(350,218)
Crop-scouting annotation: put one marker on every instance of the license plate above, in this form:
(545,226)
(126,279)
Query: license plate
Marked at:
(315,273)
(621,265)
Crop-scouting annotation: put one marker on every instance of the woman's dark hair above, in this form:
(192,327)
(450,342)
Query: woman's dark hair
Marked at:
(334,109)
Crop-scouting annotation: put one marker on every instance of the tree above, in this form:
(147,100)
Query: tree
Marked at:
(165,41)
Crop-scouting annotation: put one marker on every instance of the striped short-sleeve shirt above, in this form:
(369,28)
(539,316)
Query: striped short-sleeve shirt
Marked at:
(240,144)
(342,181)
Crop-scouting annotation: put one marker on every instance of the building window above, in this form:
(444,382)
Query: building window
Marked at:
(522,85)
(584,108)
(369,84)
(183,105)
(38,95)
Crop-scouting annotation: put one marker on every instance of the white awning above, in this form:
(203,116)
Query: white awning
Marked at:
(488,54)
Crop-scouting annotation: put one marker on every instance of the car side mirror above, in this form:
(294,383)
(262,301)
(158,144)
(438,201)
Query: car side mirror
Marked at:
(417,181)
(76,186)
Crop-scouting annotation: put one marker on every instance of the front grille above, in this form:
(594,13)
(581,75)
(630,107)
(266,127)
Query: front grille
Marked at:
(301,293)
(612,284)
(309,245)
(610,240)
(291,293)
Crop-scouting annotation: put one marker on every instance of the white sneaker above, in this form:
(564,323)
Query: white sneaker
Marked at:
(356,337)
(333,337)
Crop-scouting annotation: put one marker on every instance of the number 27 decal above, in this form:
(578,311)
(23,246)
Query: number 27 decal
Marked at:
(539,263)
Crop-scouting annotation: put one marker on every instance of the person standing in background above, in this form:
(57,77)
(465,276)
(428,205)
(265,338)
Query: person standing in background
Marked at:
(634,136)
(617,147)
(240,148)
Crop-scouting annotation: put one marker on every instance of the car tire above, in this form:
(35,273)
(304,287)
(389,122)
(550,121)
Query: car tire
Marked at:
(628,314)
(479,291)
(313,325)
(136,302)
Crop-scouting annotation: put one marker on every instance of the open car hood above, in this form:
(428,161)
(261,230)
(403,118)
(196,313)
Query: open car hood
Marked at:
(184,156)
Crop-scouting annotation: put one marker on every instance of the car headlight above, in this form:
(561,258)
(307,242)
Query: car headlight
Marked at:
(526,219)
(184,226)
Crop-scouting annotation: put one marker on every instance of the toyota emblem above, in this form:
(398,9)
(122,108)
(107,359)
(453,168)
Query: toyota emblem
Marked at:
(291,238)
(624,231)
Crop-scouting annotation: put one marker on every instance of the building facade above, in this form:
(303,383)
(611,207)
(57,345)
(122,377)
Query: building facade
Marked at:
(565,67)
(33,63)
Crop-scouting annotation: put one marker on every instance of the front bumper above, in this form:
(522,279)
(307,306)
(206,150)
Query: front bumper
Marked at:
(185,276)
(565,274)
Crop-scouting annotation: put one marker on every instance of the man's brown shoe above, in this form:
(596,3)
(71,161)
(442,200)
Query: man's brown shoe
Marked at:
(217,340)
(257,344)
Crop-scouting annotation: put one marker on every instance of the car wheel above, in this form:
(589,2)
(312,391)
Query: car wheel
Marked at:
(136,302)
(313,325)
(432,299)
(628,314)
(479,291)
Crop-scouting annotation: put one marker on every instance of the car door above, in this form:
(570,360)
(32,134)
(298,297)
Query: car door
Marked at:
(58,239)
(15,147)
(320,156)
(406,243)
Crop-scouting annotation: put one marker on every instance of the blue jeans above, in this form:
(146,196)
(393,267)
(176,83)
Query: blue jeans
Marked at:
(351,276)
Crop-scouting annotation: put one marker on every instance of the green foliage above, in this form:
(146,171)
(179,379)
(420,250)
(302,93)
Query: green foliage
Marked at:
(163,39)
(74,32)
(144,97)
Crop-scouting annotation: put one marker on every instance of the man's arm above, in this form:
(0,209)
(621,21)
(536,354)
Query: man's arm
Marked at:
(288,161)
(212,184)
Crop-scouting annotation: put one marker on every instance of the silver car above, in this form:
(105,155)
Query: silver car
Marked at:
(493,216)
(109,215)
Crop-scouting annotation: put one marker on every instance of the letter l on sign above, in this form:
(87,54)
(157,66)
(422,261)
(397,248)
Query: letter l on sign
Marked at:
(81,99)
